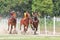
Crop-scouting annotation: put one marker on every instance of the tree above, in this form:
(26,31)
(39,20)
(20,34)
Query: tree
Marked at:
(43,6)
(6,5)
(18,5)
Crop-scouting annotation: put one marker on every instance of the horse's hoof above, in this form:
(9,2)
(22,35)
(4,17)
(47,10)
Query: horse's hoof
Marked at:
(20,28)
(10,33)
(34,33)
(33,29)
(14,32)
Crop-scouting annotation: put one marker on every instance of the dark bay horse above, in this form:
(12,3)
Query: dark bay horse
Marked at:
(35,24)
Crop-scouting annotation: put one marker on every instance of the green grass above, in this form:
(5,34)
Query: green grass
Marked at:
(19,37)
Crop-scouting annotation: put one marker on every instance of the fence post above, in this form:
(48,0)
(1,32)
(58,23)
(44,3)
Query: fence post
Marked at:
(39,25)
(45,26)
(54,25)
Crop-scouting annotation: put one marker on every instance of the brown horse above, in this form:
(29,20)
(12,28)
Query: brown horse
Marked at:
(12,21)
(24,22)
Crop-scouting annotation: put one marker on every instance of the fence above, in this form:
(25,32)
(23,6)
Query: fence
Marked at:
(50,26)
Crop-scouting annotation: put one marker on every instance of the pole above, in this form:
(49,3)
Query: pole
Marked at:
(54,25)
(45,26)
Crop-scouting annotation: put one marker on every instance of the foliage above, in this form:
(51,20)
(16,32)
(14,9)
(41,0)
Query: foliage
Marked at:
(44,7)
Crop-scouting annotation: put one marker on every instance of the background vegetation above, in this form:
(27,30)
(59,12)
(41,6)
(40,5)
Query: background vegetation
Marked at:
(44,7)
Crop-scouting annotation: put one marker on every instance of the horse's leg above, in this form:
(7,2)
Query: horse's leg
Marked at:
(31,24)
(15,32)
(32,27)
(35,29)
(11,29)
(8,26)
(25,28)
(15,27)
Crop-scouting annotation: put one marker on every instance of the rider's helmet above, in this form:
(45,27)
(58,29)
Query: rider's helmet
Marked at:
(13,14)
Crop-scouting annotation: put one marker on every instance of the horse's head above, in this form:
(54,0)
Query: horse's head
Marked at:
(13,14)
(35,18)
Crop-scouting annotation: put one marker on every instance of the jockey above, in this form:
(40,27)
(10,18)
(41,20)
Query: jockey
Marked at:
(35,15)
(13,14)
(26,15)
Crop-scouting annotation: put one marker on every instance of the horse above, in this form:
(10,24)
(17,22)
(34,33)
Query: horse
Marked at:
(34,24)
(25,21)
(11,23)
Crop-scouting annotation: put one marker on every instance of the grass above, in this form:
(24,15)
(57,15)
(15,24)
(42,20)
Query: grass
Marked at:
(19,37)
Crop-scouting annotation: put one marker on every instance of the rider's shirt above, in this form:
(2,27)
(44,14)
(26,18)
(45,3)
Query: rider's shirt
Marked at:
(13,15)
(26,15)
